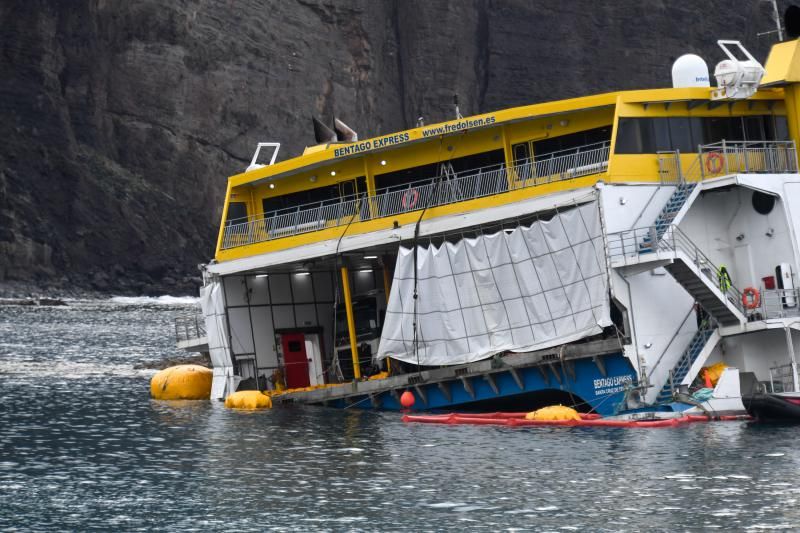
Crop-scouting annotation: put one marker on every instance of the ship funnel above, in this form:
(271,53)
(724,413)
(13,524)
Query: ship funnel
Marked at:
(322,133)
(344,132)
(690,70)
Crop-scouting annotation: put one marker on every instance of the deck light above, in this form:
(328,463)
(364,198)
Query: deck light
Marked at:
(370,257)
(312,179)
(333,172)
(383,162)
(271,185)
(262,275)
(366,271)
(302,273)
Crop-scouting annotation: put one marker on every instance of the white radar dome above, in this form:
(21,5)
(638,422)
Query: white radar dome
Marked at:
(690,70)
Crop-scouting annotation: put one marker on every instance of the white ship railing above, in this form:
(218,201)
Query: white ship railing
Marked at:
(730,157)
(629,246)
(781,378)
(779,303)
(423,194)
(190,327)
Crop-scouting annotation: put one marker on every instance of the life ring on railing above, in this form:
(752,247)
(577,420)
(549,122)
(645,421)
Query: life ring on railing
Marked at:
(714,162)
(410,198)
(751,298)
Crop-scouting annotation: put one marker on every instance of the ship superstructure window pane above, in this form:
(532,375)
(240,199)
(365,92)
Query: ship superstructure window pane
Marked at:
(650,135)
(521,152)
(680,133)
(634,136)
(236,212)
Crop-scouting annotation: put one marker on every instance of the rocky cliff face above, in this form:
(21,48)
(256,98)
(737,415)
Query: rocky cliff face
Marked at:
(120,121)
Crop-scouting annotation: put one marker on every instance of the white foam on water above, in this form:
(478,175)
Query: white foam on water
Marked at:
(155,300)
(445,505)
(69,370)
(776,454)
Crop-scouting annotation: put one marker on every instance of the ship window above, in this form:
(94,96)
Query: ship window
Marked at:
(236,212)
(331,194)
(650,135)
(635,136)
(521,152)
(432,171)
(571,142)
(781,132)
(754,128)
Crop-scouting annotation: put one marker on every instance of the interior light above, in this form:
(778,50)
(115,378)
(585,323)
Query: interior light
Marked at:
(302,273)
(333,172)
(366,271)
(271,185)
(383,162)
(262,275)
(370,257)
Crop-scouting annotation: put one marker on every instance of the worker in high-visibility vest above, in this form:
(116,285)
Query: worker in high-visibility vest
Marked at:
(724,279)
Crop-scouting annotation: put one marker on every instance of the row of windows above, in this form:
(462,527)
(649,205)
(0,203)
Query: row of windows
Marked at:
(634,136)
(561,145)
(651,135)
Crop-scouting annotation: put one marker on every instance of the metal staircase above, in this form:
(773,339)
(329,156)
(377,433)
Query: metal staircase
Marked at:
(685,262)
(674,204)
(667,215)
(685,362)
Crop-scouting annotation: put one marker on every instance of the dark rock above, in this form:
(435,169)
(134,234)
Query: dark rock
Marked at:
(121,120)
(54,302)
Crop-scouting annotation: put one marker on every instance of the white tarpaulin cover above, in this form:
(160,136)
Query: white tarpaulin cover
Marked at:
(526,289)
(212,301)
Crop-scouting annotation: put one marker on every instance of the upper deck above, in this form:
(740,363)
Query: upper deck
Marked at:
(483,161)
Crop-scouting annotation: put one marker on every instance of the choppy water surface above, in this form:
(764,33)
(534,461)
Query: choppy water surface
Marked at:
(83,447)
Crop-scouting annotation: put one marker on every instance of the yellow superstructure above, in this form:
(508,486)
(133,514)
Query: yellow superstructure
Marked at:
(359,173)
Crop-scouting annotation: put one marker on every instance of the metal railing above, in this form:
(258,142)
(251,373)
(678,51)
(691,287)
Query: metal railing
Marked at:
(629,244)
(190,327)
(729,157)
(781,378)
(779,303)
(423,194)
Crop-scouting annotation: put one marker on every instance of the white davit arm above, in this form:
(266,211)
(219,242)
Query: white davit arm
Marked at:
(254,162)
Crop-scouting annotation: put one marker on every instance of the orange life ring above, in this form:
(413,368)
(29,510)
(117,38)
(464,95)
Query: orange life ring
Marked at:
(410,198)
(751,298)
(714,162)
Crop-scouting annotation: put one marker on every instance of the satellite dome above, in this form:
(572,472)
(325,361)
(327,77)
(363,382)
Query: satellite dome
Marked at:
(690,70)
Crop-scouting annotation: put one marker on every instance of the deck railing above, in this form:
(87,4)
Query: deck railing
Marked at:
(627,246)
(423,194)
(190,327)
(730,157)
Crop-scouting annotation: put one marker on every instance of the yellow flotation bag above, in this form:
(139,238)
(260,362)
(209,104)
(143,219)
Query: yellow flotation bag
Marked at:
(248,399)
(714,372)
(182,382)
(554,412)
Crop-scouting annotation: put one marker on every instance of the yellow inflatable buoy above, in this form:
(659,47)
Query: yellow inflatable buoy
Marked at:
(554,412)
(248,399)
(182,382)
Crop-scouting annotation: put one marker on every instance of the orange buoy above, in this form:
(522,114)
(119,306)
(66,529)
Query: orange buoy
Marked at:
(407,399)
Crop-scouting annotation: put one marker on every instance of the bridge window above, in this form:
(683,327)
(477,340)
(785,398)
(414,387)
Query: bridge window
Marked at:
(651,135)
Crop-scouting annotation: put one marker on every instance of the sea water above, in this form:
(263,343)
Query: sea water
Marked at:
(83,447)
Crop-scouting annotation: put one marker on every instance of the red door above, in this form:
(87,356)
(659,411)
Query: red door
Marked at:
(295,359)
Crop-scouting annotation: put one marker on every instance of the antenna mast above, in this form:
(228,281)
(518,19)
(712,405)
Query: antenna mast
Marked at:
(777,18)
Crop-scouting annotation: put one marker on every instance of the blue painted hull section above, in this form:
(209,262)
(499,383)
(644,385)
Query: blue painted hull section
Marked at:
(604,393)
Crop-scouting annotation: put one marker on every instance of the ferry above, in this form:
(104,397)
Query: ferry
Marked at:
(626,252)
